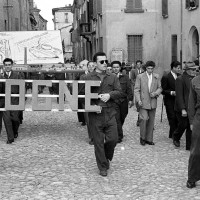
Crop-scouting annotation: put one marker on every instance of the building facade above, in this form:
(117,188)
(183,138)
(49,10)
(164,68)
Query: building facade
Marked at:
(20,16)
(63,19)
(129,30)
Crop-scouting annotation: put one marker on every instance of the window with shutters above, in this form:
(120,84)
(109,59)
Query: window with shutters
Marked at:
(134,6)
(174,48)
(191,4)
(165,8)
(135,49)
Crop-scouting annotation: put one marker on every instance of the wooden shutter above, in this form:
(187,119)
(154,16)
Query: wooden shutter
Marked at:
(197,3)
(90,10)
(129,4)
(165,8)
(138,4)
(95,9)
(187,3)
(174,48)
(99,7)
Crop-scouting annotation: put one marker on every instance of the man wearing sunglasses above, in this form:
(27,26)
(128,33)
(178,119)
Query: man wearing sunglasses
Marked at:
(103,124)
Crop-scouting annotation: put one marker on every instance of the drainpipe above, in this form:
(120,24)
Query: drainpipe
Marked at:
(8,16)
(181,36)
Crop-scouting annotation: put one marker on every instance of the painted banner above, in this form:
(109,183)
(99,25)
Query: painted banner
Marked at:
(42,47)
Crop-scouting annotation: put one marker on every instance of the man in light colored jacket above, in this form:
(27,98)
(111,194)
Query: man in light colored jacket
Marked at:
(147,89)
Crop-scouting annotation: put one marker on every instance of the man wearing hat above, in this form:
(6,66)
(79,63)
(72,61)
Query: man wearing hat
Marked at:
(182,88)
(147,89)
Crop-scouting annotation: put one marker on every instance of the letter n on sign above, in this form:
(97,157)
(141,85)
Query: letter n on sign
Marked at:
(89,96)
(15,83)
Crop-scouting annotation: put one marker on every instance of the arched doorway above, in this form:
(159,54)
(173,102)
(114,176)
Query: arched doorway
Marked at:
(194,43)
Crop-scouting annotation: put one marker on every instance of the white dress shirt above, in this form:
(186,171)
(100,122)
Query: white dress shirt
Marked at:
(149,81)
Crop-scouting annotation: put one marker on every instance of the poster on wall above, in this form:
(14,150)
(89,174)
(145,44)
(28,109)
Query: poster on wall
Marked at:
(117,54)
(42,47)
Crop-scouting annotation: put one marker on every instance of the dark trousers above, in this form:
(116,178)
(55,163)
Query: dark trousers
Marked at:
(88,125)
(105,136)
(183,125)
(11,126)
(122,111)
(171,116)
(81,117)
(194,159)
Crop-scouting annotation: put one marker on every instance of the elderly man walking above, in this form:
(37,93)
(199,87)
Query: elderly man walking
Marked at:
(147,89)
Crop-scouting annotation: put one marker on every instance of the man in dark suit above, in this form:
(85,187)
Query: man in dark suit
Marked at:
(182,87)
(168,86)
(10,118)
(125,101)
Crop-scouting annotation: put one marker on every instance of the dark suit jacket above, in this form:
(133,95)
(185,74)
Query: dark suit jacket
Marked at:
(182,87)
(168,85)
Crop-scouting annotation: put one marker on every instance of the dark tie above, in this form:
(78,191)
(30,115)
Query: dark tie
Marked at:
(6,76)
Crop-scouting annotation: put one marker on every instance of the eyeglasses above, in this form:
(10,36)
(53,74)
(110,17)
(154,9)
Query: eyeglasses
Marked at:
(102,61)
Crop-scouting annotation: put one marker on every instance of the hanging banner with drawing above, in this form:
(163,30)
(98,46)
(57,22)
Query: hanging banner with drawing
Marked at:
(42,47)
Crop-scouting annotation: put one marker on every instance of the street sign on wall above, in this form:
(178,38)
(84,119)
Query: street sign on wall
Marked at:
(117,54)
(41,47)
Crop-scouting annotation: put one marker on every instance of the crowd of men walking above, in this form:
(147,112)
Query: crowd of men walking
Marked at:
(118,91)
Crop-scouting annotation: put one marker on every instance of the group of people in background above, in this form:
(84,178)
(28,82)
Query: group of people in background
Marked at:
(182,103)
(118,91)
(141,86)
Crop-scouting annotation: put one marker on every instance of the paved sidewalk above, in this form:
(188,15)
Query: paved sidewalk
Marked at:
(51,159)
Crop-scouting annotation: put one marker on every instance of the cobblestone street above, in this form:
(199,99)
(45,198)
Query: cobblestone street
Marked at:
(51,159)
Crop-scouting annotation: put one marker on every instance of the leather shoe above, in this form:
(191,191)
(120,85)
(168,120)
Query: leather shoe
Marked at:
(83,124)
(103,172)
(190,184)
(137,123)
(16,135)
(142,142)
(10,141)
(176,143)
(149,143)
(119,141)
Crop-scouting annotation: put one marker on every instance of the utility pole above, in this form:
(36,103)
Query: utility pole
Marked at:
(181,36)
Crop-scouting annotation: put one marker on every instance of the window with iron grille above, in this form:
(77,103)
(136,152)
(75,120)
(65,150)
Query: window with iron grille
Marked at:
(135,49)
(133,6)
(174,48)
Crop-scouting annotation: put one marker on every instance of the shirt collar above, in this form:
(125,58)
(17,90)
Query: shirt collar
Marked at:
(174,75)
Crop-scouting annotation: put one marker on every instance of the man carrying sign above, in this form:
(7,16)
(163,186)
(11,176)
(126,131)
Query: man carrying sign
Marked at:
(103,124)
(10,118)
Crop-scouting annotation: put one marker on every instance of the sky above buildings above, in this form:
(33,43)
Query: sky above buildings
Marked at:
(46,7)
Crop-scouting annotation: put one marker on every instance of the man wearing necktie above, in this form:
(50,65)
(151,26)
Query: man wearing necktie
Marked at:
(10,118)
(169,94)
(147,89)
